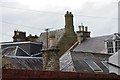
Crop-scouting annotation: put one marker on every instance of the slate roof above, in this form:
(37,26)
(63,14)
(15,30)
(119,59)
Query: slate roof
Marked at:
(58,34)
(75,61)
(84,56)
(93,45)
(27,63)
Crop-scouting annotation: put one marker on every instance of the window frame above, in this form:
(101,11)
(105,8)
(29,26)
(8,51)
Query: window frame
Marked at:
(105,64)
(110,47)
(95,64)
(117,45)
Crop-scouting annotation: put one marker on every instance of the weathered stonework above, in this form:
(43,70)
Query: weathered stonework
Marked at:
(83,33)
(51,55)
(50,59)
(69,37)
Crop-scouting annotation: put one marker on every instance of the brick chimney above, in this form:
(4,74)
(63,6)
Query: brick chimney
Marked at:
(83,33)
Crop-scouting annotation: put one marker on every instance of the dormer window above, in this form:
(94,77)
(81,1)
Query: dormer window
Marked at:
(113,43)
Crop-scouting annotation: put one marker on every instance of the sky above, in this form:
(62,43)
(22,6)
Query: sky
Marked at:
(34,16)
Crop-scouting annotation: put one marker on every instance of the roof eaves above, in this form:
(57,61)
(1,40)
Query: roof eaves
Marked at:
(9,43)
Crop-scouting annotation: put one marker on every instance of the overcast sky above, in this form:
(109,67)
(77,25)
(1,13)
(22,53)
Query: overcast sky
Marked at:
(33,16)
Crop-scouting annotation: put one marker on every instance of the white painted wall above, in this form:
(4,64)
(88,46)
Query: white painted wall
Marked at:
(115,59)
(113,69)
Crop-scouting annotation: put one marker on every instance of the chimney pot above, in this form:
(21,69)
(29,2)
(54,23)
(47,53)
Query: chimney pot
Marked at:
(86,28)
(79,28)
(82,28)
(67,12)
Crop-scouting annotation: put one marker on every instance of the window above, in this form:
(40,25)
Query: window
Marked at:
(110,47)
(110,44)
(93,65)
(113,43)
(117,45)
(110,50)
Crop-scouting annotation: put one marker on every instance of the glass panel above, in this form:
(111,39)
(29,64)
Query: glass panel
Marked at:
(109,44)
(105,63)
(93,65)
(117,46)
(110,50)
(9,51)
(110,47)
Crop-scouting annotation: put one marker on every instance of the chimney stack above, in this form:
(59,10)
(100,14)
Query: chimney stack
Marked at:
(50,55)
(69,28)
(19,36)
(83,33)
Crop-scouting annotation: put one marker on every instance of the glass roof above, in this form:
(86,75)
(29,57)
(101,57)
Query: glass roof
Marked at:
(14,51)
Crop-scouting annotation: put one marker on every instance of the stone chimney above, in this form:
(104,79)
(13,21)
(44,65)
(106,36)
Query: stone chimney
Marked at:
(19,36)
(50,55)
(32,38)
(69,28)
(83,33)
(69,37)
(50,59)
(52,41)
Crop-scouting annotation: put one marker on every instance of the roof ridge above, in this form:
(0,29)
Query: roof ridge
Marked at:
(101,36)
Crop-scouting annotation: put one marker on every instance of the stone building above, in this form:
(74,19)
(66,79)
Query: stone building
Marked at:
(69,37)
(78,51)
(56,48)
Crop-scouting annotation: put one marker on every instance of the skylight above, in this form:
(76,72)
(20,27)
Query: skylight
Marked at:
(105,64)
(93,65)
